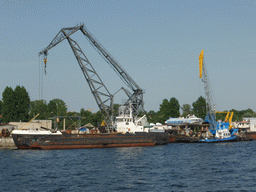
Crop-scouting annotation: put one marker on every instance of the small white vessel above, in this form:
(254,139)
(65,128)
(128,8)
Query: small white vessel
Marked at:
(126,123)
(189,120)
(35,132)
(243,125)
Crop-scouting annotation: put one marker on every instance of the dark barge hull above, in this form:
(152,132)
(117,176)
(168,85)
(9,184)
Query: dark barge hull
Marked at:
(83,141)
(251,135)
(186,139)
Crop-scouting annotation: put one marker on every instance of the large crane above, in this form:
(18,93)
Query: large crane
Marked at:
(210,111)
(100,92)
(210,108)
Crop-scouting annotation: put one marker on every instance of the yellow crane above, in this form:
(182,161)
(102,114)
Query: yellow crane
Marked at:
(228,117)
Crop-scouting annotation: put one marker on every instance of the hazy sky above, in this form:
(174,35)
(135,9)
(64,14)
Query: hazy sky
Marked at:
(156,42)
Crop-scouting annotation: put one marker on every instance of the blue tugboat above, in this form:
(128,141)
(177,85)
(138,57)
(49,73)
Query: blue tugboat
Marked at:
(222,131)
(221,135)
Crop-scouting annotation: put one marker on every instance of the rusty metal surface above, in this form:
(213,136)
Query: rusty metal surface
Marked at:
(5,133)
(93,146)
(78,141)
(172,139)
(249,136)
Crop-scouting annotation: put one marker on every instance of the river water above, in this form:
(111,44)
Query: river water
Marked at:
(171,167)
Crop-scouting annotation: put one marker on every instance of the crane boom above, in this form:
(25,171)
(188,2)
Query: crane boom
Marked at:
(62,35)
(136,99)
(210,117)
(101,94)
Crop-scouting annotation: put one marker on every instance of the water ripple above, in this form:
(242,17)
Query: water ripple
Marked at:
(173,167)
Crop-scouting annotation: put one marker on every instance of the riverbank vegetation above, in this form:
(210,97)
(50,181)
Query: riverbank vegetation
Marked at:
(16,106)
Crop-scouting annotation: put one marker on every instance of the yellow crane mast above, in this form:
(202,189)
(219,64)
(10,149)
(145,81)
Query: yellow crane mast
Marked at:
(228,118)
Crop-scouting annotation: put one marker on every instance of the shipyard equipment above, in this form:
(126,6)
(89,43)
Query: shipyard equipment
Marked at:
(210,114)
(30,121)
(210,108)
(228,118)
(103,97)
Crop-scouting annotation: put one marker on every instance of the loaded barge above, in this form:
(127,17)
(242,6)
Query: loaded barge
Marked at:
(129,133)
(27,139)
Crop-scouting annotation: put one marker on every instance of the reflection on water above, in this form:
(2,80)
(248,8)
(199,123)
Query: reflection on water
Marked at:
(130,152)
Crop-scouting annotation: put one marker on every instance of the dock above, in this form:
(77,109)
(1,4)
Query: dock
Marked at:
(7,143)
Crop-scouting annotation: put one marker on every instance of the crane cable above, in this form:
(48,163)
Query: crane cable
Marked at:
(41,82)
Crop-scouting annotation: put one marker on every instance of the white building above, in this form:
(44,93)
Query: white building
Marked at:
(35,124)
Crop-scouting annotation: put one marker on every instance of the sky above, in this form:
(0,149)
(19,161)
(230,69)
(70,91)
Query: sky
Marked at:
(156,42)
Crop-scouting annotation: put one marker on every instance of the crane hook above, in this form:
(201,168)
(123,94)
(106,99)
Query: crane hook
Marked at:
(45,61)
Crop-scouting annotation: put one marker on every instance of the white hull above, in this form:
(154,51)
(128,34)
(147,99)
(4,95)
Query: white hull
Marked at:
(189,120)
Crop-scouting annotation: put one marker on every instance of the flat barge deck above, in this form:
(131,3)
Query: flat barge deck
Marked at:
(82,141)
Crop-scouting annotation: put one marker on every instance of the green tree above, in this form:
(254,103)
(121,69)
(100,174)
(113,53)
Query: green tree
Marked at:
(164,111)
(186,109)
(221,116)
(8,106)
(39,106)
(97,118)
(174,108)
(237,116)
(199,107)
(151,116)
(168,109)
(249,113)
(22,102)
(86,116)
(1,104)
(56,107)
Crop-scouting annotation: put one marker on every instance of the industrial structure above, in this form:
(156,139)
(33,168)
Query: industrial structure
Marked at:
(103,97)
(210,107)
(210,114)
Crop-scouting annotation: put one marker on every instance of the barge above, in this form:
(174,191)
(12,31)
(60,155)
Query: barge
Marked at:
(27,139)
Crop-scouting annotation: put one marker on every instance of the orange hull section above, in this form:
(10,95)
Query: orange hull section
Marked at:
(252,135)
(87,146)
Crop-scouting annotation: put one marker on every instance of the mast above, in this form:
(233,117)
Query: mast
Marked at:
(210,108)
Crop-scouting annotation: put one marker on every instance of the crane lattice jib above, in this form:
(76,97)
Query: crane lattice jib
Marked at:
(101,94)
(209,106)
(137,97)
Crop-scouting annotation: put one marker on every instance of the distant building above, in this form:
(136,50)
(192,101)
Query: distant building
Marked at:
(247,124)
(35,124)
(252,122)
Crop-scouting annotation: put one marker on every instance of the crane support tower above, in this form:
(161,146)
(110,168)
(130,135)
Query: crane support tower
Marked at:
(100,92)
(210,108)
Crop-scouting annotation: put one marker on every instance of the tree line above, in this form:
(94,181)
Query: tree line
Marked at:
(16,106)
(172,108)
